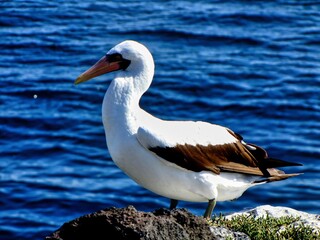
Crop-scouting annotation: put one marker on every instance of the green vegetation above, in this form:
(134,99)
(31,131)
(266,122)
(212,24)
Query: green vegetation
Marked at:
(267,228)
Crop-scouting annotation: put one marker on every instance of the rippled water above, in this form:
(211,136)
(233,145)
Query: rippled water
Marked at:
(253,67)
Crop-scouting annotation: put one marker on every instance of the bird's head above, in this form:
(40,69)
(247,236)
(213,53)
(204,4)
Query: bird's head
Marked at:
(129,56)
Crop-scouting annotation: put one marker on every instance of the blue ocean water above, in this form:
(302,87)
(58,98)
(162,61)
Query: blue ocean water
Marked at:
(251,66)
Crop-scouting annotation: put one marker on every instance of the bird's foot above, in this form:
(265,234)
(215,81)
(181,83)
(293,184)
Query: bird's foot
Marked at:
(208,212)
(173,203)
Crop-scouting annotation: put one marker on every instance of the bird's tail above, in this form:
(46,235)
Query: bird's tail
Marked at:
(276,177)
(275,163)
(272,174)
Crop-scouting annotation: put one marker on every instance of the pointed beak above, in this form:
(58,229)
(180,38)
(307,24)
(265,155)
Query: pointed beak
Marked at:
(101,67)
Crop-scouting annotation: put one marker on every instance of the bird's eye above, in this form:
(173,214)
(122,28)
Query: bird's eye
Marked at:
(116,57)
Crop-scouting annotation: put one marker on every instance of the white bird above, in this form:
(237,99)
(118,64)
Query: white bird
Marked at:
(180,160)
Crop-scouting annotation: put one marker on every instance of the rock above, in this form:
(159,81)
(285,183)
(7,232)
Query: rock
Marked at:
(307,219)
(128,223)
(225,233)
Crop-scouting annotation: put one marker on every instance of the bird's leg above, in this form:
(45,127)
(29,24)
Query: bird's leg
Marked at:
(211,205)
(173,203)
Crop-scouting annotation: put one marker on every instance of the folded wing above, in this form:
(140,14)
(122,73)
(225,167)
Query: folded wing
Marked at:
(199,146)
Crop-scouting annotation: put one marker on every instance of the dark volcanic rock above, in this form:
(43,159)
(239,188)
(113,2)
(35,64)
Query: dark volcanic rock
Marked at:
(128,223)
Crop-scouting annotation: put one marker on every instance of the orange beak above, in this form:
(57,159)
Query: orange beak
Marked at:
(101,67)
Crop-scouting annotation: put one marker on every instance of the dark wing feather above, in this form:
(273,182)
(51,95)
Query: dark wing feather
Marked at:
(228,157)
(236,157)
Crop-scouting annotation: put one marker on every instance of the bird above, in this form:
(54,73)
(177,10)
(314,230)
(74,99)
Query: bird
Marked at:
(193,161)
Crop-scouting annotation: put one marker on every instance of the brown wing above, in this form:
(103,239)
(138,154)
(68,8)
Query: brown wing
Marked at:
(227,157)
(232,157)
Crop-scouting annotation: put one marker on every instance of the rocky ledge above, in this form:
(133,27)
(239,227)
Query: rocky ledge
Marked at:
(128,223)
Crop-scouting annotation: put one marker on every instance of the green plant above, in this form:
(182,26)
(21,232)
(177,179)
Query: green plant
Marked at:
(267,228)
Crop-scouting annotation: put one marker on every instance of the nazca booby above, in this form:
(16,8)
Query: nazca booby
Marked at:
(180,160)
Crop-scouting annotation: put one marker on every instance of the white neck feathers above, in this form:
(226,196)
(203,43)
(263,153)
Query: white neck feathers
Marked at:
(121,101)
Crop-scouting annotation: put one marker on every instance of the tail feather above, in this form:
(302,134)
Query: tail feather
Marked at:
(268,166)
(275,178)
(274,163)
(264,161)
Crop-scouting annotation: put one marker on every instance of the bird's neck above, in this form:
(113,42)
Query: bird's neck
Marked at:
(120,107)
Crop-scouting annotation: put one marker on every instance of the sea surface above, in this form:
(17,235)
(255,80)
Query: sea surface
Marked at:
(251,66)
